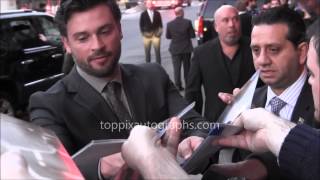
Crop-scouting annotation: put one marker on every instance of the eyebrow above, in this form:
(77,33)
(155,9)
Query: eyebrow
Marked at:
(77,34)
(268,44)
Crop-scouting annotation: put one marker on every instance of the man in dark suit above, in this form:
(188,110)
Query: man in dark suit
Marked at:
(221,64)
(180,30)
(100,98)
(279,50)
(151,30)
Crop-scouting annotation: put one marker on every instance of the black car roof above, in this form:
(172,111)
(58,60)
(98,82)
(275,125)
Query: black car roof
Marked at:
(212,5)
(21,13)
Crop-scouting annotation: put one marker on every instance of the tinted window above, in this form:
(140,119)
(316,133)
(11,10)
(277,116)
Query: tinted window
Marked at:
(7,43)
(48,31)
(213,5)
(24,34)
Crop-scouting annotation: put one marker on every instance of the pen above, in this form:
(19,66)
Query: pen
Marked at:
(161,131)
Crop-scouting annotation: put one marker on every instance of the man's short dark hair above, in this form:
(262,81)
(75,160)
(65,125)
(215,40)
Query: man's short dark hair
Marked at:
(284,15)
(69,7)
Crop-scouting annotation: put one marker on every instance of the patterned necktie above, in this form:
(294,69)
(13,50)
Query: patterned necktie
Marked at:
(276,105)
(112,93)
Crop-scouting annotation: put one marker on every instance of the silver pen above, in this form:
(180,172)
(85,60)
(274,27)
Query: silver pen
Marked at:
(161,131)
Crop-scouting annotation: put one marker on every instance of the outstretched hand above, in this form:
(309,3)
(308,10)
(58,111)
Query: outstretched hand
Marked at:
(263,132)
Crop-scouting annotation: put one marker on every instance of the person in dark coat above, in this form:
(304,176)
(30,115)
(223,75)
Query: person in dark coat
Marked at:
(219,65)
(180,31)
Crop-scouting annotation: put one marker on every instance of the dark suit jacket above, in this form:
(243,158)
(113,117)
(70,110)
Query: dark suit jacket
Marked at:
(148,28)
(209,69)
(304,109)
(74,110)
(299,156)
(180,30)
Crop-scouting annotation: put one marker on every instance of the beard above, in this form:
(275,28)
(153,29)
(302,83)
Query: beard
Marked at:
(231,40)
(107,70)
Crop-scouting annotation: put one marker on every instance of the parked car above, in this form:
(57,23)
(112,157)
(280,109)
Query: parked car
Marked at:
(31,57)
(132,3)
(204,23)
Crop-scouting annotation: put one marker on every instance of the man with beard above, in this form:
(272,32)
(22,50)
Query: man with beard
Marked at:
(100,98)
(221,64)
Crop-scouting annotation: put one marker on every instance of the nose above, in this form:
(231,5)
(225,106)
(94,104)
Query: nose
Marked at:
(231,23)
(97,43)
(262,59)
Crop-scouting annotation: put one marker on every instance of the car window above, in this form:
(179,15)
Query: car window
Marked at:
(7,44)
(24,34)
(49,31)
(213,5)
(22,30)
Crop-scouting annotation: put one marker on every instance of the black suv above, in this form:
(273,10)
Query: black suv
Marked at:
(31,57)
(204,23)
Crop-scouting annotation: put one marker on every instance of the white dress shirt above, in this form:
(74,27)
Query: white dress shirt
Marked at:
(290,96)
(150,13)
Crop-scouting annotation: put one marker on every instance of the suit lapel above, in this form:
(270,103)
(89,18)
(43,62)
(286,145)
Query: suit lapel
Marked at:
(87,97)
(146,15)
(135,93)
(304,108)
(260,97)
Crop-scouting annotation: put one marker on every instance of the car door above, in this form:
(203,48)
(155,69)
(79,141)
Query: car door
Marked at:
(40,52)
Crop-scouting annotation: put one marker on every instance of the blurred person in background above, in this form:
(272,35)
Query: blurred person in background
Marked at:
(151,29)
(180,31)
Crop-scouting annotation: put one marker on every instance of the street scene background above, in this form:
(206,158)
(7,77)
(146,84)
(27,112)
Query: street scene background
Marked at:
(132,44)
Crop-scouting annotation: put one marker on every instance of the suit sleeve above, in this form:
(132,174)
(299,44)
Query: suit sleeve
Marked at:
(299,155)
(160,18)
(192,34)
(193,88)
(141,23)
(168,33)
(43,113)
(159,30)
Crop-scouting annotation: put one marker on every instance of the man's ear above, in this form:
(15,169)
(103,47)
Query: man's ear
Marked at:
(302,52)
(214,24)
(66,44)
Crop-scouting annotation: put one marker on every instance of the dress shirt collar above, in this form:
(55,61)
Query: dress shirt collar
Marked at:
(98,83)
(291,94)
